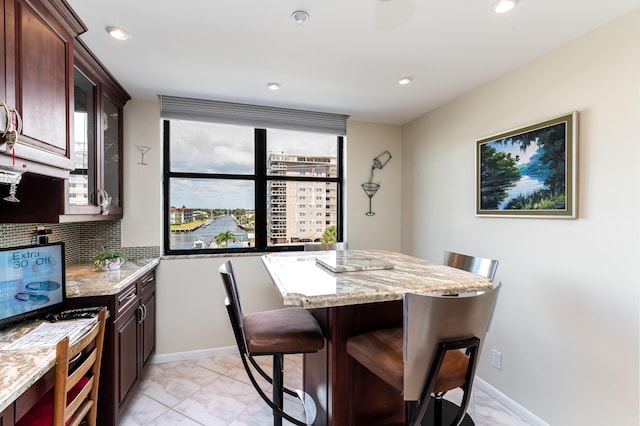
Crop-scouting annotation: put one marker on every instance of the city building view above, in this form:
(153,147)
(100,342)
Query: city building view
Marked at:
(298,211)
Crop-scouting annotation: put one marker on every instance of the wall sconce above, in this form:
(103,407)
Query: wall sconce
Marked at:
(370,188)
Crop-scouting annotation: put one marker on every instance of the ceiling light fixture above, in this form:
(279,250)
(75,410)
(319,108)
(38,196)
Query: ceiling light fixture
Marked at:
(300,16)
(273,86)
(405,80)
(117,33)
(503,6)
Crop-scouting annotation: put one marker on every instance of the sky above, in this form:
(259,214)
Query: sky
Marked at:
(514,149)
(220,148)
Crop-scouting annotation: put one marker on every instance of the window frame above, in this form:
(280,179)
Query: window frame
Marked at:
(261,179)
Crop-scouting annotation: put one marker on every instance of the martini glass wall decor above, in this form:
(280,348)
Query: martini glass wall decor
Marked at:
(143,150)
(370,188)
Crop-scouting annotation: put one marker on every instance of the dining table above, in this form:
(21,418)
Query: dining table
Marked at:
(350,292)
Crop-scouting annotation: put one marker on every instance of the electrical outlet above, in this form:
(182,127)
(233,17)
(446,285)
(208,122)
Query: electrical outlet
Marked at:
(496,359)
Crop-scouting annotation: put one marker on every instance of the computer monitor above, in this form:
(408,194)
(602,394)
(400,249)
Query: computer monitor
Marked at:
(32,281)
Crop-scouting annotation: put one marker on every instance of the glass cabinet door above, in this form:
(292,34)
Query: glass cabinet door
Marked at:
(112,149)
(82,180)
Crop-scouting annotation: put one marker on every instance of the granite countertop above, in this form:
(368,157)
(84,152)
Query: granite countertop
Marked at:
(19,369)
(85,280)
(367,276)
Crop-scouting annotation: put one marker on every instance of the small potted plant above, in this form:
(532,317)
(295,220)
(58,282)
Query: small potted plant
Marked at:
(109,260)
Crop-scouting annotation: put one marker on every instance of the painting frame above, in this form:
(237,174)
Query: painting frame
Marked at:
(529,171)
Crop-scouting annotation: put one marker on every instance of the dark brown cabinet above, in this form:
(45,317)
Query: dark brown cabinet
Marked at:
(3,87)
(148,324)
(127,350)
(44,66)
(38,66)
(129,343)
(6,417)
(36,80)
(93,190)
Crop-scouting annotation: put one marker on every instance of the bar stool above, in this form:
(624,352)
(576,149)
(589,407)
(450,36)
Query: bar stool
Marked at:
(272,333)
(74,396)
(476,265)
(424,358)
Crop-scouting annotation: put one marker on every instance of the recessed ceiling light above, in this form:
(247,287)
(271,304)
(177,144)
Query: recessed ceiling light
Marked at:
(117,33)
(273,86)
(300,16)
(405,80)
(503,6)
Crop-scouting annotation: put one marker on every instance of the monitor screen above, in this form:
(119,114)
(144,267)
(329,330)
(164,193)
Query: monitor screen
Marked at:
(32,281)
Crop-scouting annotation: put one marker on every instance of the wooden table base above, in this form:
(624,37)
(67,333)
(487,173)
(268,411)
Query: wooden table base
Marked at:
(345,392)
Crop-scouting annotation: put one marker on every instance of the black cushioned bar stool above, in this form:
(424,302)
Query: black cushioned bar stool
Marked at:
(272,333)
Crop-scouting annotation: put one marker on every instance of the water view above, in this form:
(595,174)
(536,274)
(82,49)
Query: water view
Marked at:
(523,187)
(205,235)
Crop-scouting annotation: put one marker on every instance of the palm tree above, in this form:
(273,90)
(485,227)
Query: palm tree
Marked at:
(224,237)
(329,236)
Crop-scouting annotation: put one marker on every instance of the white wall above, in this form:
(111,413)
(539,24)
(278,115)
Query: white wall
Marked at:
(142,183)
(190,301)
(365,141)
(567,321)
(191,313)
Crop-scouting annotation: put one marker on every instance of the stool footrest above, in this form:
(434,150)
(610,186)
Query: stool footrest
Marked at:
(309,404)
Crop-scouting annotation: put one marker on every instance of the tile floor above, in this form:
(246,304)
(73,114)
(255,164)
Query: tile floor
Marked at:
(216,391)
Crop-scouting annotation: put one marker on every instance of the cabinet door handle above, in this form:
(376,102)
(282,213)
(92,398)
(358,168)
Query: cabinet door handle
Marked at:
(144,311)
(141,310)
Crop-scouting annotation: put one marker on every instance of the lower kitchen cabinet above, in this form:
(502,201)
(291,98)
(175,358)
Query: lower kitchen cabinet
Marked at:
(6,417)
(128,346)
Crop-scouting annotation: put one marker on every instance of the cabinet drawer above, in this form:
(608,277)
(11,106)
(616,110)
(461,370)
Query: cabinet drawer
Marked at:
(126,298)
(147,281)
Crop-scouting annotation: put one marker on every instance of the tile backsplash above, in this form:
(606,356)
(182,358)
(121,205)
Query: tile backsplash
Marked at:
(82,240)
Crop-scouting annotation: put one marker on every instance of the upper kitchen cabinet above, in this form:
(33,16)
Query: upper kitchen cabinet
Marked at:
(71,126)
(38,66)
(94,188)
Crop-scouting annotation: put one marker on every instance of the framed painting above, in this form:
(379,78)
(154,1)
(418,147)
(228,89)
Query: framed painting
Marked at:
(529,172)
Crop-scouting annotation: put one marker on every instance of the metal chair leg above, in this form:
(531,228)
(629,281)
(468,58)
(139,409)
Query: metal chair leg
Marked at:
(278,385)
(437,411)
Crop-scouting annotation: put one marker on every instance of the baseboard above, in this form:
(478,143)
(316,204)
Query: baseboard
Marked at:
(519,410)
(202,353)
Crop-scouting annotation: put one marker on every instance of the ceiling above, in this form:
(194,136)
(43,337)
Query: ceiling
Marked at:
(347,58)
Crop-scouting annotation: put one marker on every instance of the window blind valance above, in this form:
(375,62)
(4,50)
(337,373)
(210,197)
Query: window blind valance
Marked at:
(252,115)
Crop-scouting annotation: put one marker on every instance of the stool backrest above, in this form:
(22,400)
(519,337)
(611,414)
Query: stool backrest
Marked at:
(323,246)
(431,320)
(476,265)
(232,302)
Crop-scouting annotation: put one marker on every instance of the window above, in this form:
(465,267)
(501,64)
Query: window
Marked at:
(236,188)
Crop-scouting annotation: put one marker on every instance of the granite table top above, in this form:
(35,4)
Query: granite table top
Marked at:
(307,279)
(21,368)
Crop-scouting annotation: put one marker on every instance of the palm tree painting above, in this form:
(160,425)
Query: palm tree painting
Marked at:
(529,171)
